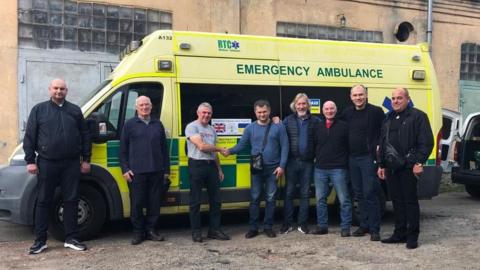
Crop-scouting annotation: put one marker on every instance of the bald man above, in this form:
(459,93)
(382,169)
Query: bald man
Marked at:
(57,149)
(331,161)
(145,163)
(407,130)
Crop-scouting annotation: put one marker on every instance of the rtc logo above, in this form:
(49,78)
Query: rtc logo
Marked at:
(228,45)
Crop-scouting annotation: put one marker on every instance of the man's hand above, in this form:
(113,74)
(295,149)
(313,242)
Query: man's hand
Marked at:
(278,172)
(381,173)
(225,152)
(32,168)
(85,167)
(417,169)
(128,176)
(221,176)
(276,119)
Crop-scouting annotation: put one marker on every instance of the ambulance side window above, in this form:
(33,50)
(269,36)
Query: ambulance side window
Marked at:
(152,90)
(111,109)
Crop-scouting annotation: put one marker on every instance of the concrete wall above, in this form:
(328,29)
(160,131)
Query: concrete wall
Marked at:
(455,22)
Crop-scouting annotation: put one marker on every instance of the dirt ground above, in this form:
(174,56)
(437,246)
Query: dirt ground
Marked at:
(449,239)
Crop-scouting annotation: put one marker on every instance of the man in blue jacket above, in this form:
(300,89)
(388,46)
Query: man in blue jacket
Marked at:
(275,154)
(145,163)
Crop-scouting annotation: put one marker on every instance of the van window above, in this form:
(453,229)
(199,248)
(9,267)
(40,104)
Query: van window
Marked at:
(111,110)
(236,101)
(446,127)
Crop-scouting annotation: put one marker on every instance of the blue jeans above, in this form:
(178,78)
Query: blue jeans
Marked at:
(267,181)
(339,180)
(300,172)
(365,186)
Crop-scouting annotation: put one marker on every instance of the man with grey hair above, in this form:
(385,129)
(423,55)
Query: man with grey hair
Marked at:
(300,126)
(204,169)
(145,163)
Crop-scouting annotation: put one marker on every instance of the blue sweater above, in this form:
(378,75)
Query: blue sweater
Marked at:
(276,149)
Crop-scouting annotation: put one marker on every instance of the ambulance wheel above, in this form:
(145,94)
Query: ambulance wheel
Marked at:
(92,213)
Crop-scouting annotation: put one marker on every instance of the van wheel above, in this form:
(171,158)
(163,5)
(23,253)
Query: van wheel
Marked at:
(474,191)
(91,214)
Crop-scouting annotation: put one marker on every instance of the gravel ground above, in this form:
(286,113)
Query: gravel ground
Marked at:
(450,239)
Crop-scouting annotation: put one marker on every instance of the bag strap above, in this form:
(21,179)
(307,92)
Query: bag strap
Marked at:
(266,136)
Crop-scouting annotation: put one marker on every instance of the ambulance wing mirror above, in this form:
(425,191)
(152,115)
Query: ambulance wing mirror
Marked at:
(97,125)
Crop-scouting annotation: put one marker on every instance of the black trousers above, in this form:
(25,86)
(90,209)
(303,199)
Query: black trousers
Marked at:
(402,187)
(204,172)
(52,173)
(145,193)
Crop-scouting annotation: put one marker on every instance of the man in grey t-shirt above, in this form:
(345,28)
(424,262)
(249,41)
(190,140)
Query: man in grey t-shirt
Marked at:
(204,169)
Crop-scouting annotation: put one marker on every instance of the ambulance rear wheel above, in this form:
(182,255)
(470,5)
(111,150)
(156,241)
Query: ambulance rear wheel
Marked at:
(92,214)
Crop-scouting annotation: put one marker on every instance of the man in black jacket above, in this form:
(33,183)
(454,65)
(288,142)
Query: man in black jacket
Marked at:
(331,162)
(145,163)
(57,132)
(406,130)
(301,127)
(364,122)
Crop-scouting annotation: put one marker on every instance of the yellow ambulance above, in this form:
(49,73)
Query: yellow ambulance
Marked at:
(179,70)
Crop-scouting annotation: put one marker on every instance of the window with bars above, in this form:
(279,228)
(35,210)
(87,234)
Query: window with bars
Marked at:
(313,31)
(85,26)
(470,62)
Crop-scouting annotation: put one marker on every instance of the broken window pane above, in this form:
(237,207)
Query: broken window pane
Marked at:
(126,13)
(70,34)
(84,35)
(140,27)
(84,22)
(98,37)
(56,18)
(56,5)
(40,4)
(40,17)
(112,12)
(126,26)
(112,24)
(56,33)
(70,6)
(85,9)
(98,10)
(112,37)
(25,16)
(98,23)
(140,14)
(70,19)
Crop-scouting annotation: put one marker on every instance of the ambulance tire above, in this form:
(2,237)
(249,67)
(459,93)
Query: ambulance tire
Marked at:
(474,191)
(92,214)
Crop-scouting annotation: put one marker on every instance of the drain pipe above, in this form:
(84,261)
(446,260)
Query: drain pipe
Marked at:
(429,25)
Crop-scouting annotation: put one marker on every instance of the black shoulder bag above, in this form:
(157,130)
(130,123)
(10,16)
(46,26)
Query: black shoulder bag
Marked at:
(256,161)
(393,159)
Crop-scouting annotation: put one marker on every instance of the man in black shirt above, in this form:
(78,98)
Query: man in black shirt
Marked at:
(57,149)
(145,163)
(364,122)
(408,131)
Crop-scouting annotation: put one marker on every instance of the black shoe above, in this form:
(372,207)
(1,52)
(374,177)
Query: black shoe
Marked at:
(152,236)
(360,232)
(320,230)
(218,234)
(38,247)
(394,240)
(75,245)
(286,229)
(303,229)
(197,237)
(374,236)
(251,234)
(137,240)
(412,244)
(269,233)
(345,233)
